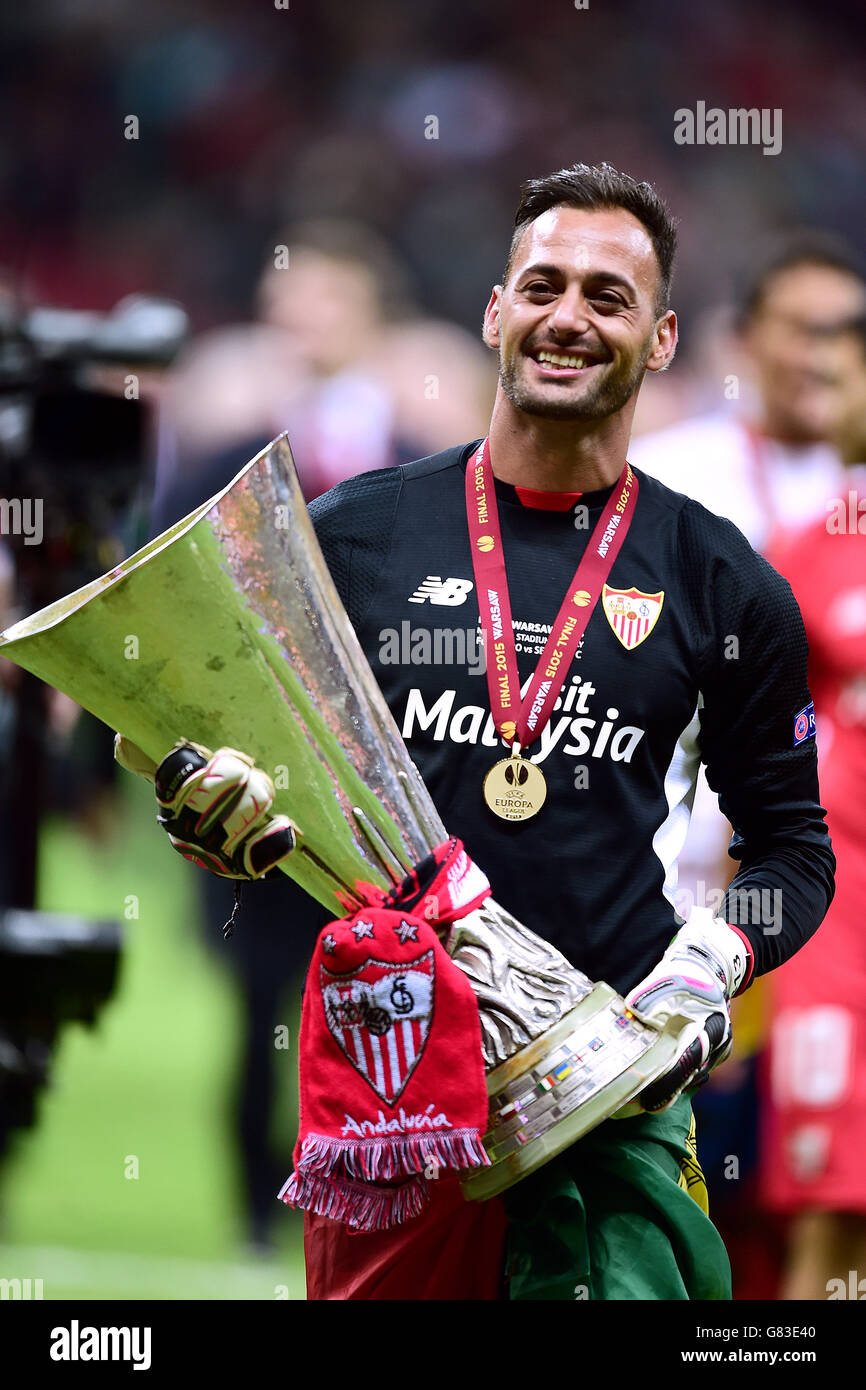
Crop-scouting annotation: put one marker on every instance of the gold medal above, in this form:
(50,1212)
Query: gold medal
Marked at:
(515,788)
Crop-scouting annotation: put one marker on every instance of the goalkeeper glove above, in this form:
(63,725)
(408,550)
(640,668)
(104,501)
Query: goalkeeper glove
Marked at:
(700,972)
(215,808)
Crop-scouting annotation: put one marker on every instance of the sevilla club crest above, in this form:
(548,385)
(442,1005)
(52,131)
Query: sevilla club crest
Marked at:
(631,614)
(380,1016)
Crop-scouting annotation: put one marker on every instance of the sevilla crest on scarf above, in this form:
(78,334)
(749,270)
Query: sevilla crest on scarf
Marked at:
(631,614)
(380,1016)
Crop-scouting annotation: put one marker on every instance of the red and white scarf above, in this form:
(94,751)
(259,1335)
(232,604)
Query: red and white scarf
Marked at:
(392,1084)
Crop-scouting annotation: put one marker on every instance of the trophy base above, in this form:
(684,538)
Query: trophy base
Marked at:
(564,1083)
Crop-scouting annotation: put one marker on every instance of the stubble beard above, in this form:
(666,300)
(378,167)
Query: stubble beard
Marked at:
(608,397)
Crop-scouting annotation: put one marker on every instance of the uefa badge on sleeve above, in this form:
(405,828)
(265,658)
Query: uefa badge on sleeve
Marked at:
(804,725)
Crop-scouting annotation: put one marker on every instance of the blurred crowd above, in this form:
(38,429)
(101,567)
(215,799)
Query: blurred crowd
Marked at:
(417,120)
(782,456)
(328,191)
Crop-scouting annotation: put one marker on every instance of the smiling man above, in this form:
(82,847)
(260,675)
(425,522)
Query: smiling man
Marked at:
(581,315)
(630,635)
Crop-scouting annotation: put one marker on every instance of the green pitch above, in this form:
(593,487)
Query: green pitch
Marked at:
(127,1187)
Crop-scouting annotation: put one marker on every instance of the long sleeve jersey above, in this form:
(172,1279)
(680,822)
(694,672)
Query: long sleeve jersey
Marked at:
(696,652)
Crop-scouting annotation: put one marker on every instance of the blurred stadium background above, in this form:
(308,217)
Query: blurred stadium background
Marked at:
(259,124)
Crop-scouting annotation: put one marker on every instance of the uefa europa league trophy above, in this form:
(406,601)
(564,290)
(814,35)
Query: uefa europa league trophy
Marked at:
(227,630)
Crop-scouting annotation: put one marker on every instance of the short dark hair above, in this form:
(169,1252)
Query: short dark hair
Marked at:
(788,252)
(601,186)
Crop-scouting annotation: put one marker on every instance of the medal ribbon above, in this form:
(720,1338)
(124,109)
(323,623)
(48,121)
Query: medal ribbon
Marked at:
(516,722)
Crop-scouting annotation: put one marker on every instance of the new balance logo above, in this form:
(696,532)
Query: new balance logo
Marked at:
(446,593)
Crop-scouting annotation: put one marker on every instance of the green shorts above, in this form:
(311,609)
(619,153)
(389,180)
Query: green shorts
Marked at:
(620,1215)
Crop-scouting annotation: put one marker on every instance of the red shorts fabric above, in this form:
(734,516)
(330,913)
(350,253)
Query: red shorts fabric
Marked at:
(454,1249)
(814,1132)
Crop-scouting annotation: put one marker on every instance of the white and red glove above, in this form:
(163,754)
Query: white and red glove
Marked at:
(705,965)
(215,808)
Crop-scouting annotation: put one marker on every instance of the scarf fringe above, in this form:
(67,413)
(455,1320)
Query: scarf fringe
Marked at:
(359,1206)
(393,1156)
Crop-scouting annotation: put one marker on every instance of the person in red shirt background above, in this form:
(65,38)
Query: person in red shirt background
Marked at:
(815,1130)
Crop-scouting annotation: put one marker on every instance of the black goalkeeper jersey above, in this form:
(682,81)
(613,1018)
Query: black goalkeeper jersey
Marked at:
(704,660)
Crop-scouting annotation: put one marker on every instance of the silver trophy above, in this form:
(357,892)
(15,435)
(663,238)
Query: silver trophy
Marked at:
(227,630)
